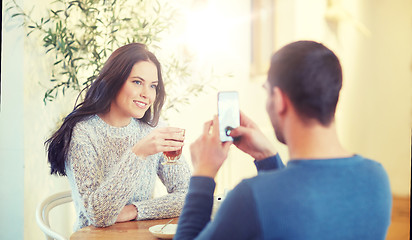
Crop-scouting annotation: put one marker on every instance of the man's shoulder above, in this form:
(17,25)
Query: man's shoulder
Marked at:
(369,164)
(368,161)
(266,178)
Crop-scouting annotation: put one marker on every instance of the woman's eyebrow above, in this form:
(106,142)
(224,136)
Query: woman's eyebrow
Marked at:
(142,79)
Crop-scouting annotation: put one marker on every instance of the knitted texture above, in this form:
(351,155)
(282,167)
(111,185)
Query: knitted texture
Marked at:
(105,175)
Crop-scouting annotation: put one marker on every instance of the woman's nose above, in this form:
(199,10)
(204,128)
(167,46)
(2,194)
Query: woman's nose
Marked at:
(143,93)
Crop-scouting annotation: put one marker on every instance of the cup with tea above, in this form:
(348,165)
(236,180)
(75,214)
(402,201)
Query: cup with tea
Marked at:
(172,156)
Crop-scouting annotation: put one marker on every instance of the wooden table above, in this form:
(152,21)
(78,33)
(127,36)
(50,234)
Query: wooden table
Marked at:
(127,230)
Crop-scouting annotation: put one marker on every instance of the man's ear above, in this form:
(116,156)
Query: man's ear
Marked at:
(279,99)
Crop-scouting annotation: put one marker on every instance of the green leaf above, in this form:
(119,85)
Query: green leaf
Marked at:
(48,50)
(56,12)
(17,14)
(9,8)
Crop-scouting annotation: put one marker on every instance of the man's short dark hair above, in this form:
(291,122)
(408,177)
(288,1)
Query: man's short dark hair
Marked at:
(311,76)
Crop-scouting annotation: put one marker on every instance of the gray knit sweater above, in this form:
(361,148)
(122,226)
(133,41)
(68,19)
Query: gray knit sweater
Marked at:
(105,175)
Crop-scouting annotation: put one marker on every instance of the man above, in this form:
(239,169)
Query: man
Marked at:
(324,192)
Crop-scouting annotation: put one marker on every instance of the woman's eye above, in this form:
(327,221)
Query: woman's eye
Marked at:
(137,82)
(154,86)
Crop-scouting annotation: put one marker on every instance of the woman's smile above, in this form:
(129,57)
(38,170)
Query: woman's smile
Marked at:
(140,104)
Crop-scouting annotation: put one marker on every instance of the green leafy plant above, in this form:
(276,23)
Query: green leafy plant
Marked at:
(81,34)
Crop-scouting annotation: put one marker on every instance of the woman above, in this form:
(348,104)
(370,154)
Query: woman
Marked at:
(110,150)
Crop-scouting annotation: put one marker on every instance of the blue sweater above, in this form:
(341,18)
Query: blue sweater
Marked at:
(347,198)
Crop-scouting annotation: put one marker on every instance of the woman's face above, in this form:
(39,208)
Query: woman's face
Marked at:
(136,95)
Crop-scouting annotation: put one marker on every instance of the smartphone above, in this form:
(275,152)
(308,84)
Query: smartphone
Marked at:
(228,112)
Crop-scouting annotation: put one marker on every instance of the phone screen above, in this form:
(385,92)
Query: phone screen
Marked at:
(228,112)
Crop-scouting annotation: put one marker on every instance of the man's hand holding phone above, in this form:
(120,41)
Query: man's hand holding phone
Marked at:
(251,140)
(208,152)
(228,112)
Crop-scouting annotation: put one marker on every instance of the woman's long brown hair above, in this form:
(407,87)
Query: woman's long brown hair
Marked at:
(99,97)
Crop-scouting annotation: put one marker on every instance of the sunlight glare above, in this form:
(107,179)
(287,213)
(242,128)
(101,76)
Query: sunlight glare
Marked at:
(207,31)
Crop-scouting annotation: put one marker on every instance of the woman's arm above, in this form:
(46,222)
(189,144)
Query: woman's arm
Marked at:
(101,193)
(176,180)
(128,213)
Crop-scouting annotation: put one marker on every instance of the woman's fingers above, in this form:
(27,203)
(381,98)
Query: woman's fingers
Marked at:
(163,145)
(171,143)
(172,133)
(169,149)
(160,140)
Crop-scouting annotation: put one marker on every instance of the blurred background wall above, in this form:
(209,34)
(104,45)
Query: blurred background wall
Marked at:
(373,40)
(12,135)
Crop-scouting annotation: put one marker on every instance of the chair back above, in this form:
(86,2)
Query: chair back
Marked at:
(43,209)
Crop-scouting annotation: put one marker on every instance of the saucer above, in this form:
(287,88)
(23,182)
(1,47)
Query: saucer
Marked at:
(167,232)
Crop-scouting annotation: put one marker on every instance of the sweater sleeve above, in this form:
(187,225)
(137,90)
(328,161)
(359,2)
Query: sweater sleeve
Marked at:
(102,193)
(176,180)
(236,218)
(270,163)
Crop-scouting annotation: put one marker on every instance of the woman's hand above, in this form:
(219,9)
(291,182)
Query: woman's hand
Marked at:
(251,140)
(129,212)
(208,152)
(160,140)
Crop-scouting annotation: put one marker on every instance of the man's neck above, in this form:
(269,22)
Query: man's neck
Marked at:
(314,141)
